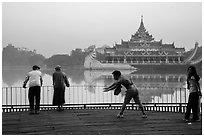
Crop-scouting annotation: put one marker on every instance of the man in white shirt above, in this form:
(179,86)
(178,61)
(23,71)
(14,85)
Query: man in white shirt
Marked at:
(35,82)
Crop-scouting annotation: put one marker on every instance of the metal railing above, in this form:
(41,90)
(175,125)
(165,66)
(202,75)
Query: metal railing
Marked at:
(92,97)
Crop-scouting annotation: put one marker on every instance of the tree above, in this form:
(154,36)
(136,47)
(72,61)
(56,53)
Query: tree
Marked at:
(13,56)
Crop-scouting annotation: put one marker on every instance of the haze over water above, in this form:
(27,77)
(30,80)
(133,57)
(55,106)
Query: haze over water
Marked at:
(152,87)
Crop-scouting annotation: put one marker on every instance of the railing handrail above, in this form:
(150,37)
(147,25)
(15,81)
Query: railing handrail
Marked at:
(13,96)
(145,104)
(179,107)
(92,86)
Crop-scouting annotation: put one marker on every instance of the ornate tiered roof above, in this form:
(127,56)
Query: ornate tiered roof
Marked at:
(141,34)
(142,41)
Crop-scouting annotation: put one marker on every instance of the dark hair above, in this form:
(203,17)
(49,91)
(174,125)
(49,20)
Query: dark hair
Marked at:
(193,73)
(116,73)
(58,68)
(35,67)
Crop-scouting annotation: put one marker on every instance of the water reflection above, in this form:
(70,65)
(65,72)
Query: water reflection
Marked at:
(92,78)
(12,76)
(149,85)
(75,75)
(152,86)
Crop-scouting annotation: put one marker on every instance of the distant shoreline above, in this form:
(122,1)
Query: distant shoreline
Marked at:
(42,67)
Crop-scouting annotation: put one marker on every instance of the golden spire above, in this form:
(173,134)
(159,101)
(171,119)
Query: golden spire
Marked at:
(142,18)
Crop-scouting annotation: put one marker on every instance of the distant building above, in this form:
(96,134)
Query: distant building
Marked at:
(143,49)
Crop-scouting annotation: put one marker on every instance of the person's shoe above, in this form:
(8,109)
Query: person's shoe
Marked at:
(120,116)
(37,112)
(196,120)
(32,112)
(144,116)
(60,109)
(186,120)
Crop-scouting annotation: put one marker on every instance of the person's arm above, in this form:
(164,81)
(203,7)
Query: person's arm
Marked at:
(196,83)
(53,78)
(66,81)
(25,82)
(198,88)
(188,84)
(111,87)
(41,81)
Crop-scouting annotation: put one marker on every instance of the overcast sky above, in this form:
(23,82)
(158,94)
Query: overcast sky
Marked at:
(57,28)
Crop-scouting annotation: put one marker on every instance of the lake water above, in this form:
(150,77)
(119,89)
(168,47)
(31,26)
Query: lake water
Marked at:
(87,86)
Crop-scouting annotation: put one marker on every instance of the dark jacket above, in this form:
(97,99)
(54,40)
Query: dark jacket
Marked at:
(60,79)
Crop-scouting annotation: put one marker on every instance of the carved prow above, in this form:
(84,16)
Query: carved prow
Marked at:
(192,54)
(198,60)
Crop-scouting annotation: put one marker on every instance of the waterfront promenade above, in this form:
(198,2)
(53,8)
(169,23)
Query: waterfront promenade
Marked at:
(97,122)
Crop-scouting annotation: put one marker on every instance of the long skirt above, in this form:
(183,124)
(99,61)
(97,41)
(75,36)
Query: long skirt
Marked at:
(58,97)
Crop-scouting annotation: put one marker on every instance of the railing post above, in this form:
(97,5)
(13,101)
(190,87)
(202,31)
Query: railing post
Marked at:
(11,99)
(155,107)
(180,107)
(6,96)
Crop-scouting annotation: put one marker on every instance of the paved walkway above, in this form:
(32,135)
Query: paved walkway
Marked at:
(96,122)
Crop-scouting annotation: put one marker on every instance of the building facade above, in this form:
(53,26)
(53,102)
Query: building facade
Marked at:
(143,49)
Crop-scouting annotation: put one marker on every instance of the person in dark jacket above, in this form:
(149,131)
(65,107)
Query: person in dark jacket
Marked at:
(194,92)
(59,82)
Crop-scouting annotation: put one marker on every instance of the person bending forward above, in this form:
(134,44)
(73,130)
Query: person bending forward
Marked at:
(131,92)
(59,82)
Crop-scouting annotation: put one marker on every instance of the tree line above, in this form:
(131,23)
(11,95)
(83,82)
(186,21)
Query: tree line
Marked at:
(75,59)
(12,56)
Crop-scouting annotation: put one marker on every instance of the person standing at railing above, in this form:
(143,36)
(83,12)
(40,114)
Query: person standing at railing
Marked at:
(131,92)
(194,89)
(59,82)
(35,82)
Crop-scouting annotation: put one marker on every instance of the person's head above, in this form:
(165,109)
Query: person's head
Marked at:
(191,69)
(192,72)
(58,68)
(35,67)
(116,74)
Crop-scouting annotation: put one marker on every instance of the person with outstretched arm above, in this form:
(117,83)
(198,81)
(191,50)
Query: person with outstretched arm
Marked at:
(131,92)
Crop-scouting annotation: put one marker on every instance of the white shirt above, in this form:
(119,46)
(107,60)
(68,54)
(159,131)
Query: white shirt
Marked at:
(34,78)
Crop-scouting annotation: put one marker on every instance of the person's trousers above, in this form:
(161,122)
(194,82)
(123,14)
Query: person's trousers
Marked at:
(192,104)
(34,97)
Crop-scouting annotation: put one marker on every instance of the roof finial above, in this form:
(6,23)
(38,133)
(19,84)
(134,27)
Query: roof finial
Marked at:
(142,18)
